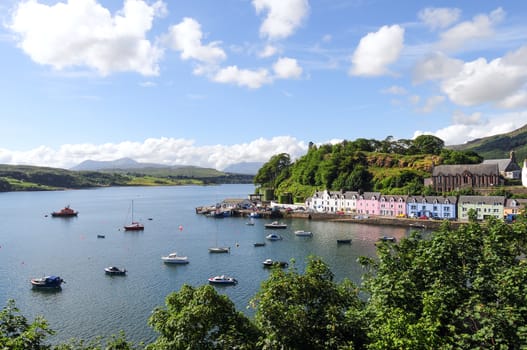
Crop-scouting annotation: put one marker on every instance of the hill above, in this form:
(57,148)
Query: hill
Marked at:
(249,168)
(499,146)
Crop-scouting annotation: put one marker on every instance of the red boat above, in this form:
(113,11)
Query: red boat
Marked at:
(65,212)
(134,226)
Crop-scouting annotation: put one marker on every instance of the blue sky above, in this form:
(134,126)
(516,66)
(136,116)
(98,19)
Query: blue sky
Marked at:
(213,83)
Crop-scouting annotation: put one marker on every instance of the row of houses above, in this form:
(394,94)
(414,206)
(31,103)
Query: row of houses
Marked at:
(447,207)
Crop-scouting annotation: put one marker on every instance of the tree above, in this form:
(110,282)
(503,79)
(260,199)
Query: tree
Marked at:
(274,170)
(308,311)
(200,318)
(428,144)
(459,289)
(18,334)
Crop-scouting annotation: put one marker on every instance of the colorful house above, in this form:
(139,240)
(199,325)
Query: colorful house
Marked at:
(485,207)
(368,203)
(431,206)
(392,205)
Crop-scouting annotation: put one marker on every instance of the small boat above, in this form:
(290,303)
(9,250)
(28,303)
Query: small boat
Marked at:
(48,282)
(276,225)
(112,270)
(219,249)
(343,241)
(255,215)
(250,222)
(387,239)
(271,262)
(101,236)
(173,258)
(65,212)
(134,225)
(303,233)
(259,244)
(222,280)
(273,237)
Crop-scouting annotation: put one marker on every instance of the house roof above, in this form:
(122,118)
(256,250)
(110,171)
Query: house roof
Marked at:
(488,200)
(503,164)
(432,199)
(476,169)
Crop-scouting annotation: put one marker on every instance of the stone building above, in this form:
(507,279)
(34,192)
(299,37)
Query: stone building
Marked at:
(446,178)
(508,168)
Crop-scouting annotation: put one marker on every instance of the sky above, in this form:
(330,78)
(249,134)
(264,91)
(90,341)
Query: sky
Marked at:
(213,83)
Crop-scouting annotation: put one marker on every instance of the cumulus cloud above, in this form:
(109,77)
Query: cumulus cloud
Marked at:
(268,51)
(167,151)
(377,50)
(439,18)
(436,66)
(283,17)
(253,79)
(431,103)
(466,128)
(395,90)
(187,38)
(481,27)
(500,81)
(286,68)
(82,33)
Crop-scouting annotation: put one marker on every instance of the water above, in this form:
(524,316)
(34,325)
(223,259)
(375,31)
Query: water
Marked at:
(33,244)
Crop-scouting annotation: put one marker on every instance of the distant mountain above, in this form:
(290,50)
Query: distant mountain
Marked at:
(499,146)
(122,163)
(247,168)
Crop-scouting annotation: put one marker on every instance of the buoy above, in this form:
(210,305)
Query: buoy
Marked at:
(181,227)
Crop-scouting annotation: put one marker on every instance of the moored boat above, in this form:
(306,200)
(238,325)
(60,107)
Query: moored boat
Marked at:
(271,262)
(276,225)
(65,212)
(222,280)
(259,244)
(101,236)
(134,225)
(273,237)
(219,249)
(344,241)
(113,270)
(47,282)
(303,233)
(387,239)
(174,258)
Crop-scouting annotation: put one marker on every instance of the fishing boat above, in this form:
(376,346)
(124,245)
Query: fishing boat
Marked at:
(48,282)
(303,233)
(101,236)
(344,241)
(65,212)
(174,258)
(134,225)
(222,280)
(113,270)
(259,244)
(276,225)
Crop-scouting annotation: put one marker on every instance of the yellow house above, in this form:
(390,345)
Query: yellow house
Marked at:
(514,206)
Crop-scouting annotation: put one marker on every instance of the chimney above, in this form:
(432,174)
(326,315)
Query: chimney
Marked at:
(513,157)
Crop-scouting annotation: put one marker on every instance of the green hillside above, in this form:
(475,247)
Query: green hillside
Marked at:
(499,146)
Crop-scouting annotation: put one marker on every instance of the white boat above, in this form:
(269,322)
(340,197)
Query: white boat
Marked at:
(219,249)
(303,233)
(222,280)
(112,270)
(173,258)
(276,225)
(271,262)
(273,237)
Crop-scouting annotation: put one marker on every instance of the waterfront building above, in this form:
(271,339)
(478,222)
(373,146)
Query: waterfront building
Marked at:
(368,203)
(514,206)
(392,205)
(432,206)
(485,207)
(326,201)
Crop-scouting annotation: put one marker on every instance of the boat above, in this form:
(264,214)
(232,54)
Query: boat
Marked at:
(112,270)
(250,222)
(219,249)
(101,236)
(173,258)
(343,241)
(303,233)
(255,215)
(48,282)
(259,244)
(222,280)
(271,262)
(65,212)
(387,239)
(276,225)
(273,237)
(134,225)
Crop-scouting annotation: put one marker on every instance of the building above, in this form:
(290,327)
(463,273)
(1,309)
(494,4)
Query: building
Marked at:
(508,168)
(432,206)
(447,178)
(368,203)
(485,207)
(392,205)
(514,206)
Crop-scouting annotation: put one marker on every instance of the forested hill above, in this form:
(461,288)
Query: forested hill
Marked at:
(389,166)
(33,178)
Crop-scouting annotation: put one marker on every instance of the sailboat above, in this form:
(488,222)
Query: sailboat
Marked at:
(216,248)
(134,225)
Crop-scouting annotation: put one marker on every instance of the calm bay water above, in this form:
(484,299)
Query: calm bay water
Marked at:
(33,244)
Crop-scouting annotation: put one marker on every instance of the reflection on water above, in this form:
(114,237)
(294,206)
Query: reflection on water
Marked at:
(91,303)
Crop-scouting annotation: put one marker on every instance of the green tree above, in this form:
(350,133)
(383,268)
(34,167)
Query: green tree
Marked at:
(200,318)
(276,169)
(308,311)
(428,144)
(17,333)
(460,289)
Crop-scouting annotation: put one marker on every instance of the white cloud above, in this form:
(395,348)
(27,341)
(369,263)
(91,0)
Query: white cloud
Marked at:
(82,33)
(395,90)
(499,81)
(187,38)
(377,50)
(286,68)
(435,67)
(268,51)
(481,27)
(431,103)
(472,127)
(439,18)
(253,79)
(168,151)
(283,17)
(458,117)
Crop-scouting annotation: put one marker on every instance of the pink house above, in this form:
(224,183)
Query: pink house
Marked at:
(368,203)
(392,205)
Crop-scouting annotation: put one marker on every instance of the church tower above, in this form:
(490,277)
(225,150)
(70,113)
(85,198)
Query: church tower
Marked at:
(524,173)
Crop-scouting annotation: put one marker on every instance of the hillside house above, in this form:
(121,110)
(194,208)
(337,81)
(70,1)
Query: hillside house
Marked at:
(514,206)
(447,178)
(432,206)
(508,168)
(485,207)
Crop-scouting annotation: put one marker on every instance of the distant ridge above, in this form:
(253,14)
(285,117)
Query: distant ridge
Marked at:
(246,168)
(122,163)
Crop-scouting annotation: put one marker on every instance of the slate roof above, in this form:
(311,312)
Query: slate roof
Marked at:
(503,164)
(488,200)
(476,169)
